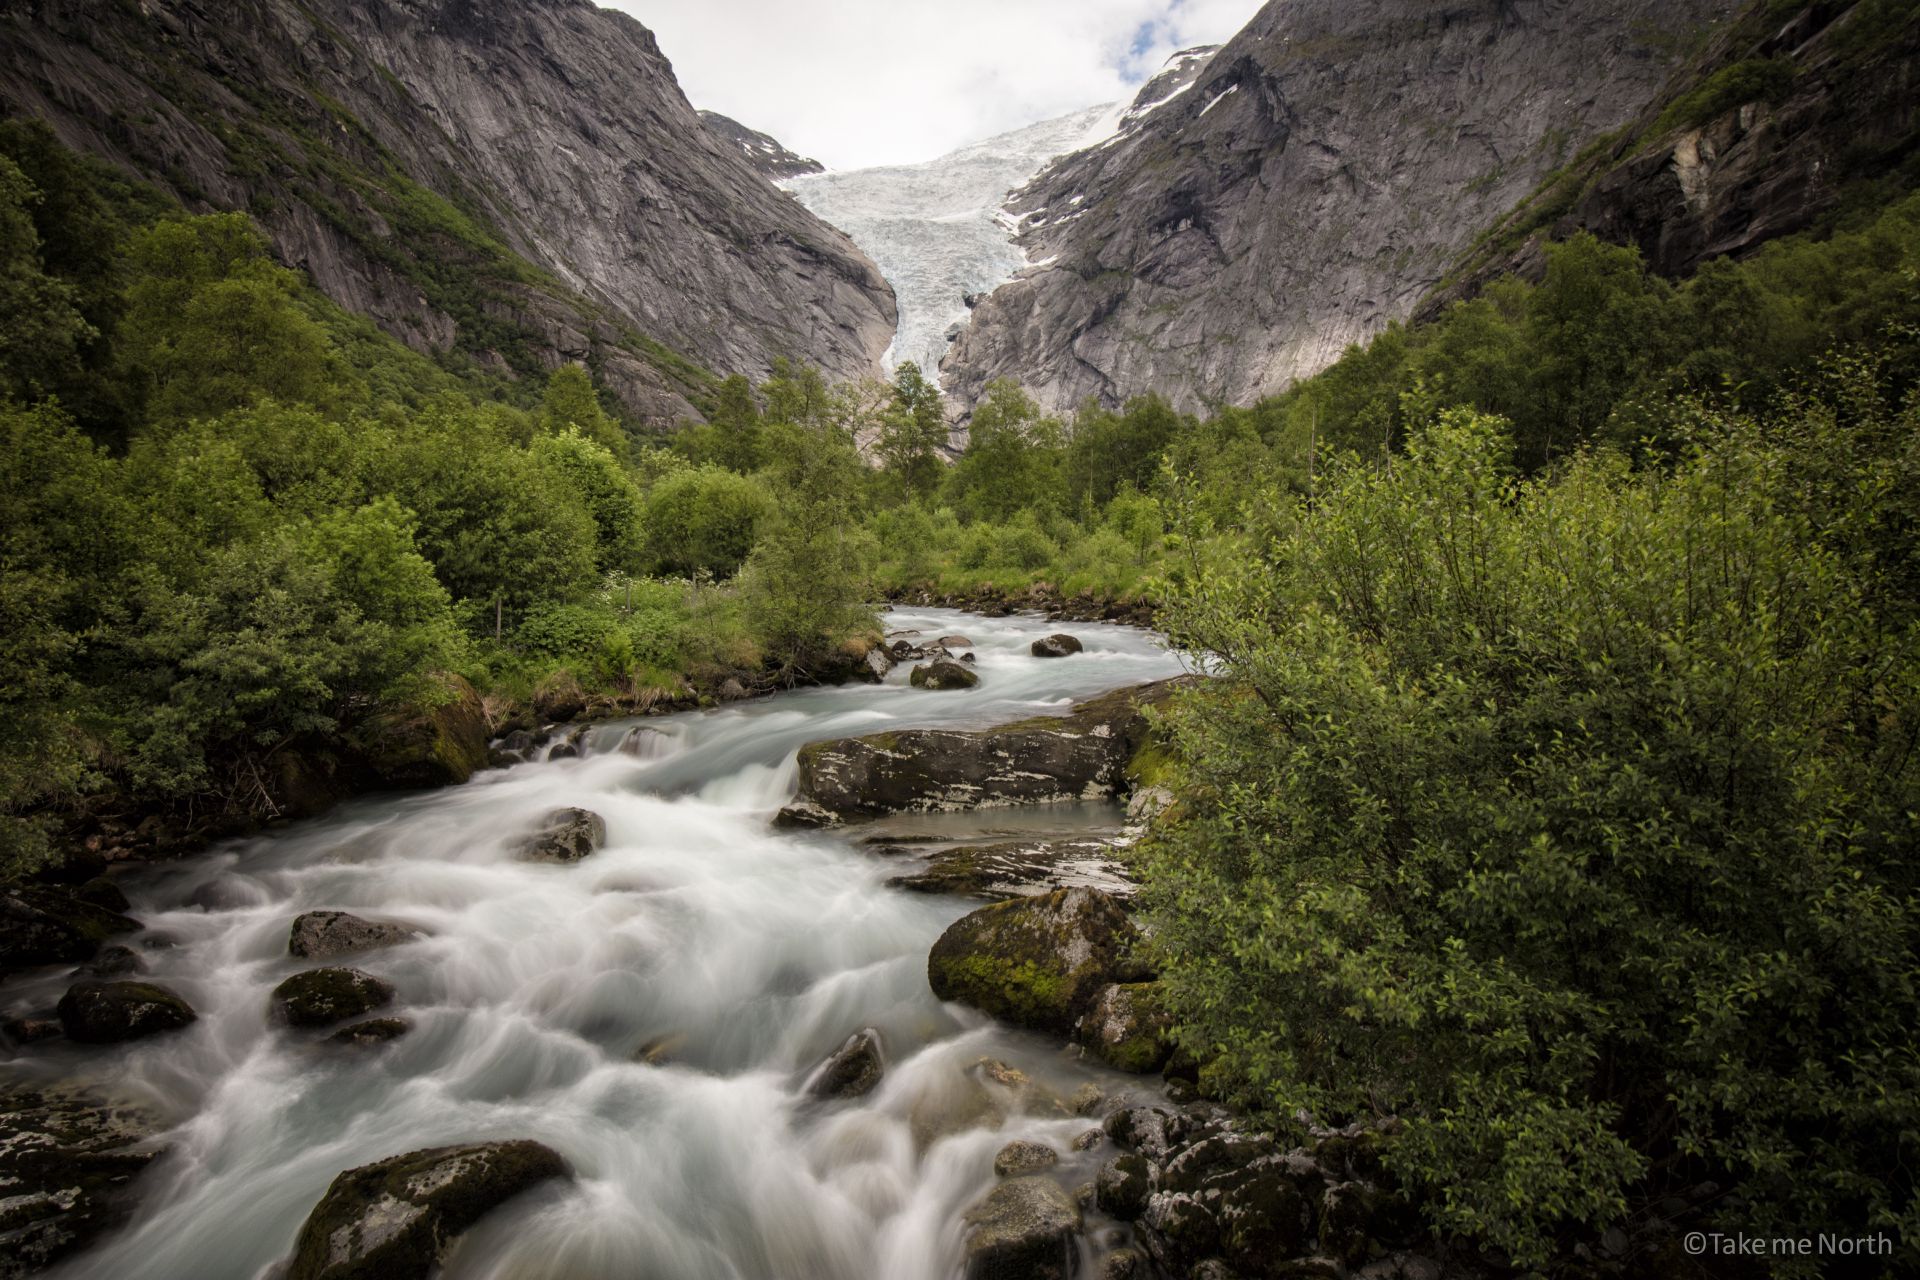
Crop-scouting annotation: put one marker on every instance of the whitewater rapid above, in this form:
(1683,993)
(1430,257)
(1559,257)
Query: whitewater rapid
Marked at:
(740,955)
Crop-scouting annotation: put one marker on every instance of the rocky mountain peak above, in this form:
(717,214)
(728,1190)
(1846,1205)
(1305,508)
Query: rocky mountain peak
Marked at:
(763,151)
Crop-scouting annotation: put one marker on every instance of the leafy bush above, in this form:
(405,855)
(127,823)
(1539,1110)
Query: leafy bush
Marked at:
(1572,822)
(704,520)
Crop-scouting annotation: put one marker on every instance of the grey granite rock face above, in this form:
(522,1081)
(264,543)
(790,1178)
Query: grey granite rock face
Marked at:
(548,131)
(763,151)
(1329,164)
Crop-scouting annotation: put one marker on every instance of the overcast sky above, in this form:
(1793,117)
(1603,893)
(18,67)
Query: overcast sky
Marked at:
(862,82)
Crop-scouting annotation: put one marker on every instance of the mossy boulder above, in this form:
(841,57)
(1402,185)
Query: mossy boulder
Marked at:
(440,740)
(1041,759)
(322,996)
(1023,1157)
(94,1012)
(68,1170)
(1122,1186)
(392,1220)
(943,673)
(1128,1027)
(1023,1230)
(1034,962)
(316,935)
(1056,646)
(565,835)
(44,925)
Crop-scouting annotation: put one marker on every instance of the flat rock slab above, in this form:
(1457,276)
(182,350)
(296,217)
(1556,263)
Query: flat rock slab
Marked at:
(67,1165)
(1081,755)
(392,1220)
(1019,869)
(318,935)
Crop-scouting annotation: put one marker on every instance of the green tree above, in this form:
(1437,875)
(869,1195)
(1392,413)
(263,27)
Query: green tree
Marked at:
(570,401)
(806,583)
(1012,459)
(604,489)
(41,328)
(705,520)
(913,432)
(736,427)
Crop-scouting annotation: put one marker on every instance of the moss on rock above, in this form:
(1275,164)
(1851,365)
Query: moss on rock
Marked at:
(1035,962)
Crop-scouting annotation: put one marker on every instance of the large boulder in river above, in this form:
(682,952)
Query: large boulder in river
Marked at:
(1023,1230)
(438,740)
(1127,1027)
(44,925)
(316,935)
(1046,758)
(67,1169)
(1056,646)
(565,835)
(108,1012)
(853,1070)
(322,996)
(943,673)
(393,1219)
(1035,962)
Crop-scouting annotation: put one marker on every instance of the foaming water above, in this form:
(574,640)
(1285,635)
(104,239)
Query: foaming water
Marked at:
(651,1012)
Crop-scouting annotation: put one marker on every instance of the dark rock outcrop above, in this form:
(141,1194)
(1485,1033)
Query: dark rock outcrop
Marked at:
(1023,1230)
(321,996)
(943,673)
(1019,869)
(372,1031)
(763,151)
(67,1165)
(565,835)
(1056,646)
(318,935)
(93,1012)
(439,745)
(1038,963)
(46,925)
(545,147)
(393,1219)
(115,961)
(1328,165)
(852,1070)
(1126,1027)
(1079,755)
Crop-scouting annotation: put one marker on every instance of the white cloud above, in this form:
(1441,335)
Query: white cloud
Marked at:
(862,82)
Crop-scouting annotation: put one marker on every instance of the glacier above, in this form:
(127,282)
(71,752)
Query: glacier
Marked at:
(938,230)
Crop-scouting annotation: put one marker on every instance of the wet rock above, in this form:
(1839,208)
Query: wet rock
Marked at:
(45,925)
(660,1049)
(393,1219)
(1346,1221)
(1147,803)
(1262,1215)
(1019,868)
(1035,962)
(875,665)
(94,1012)
(1046,758)
(1123,1185)
(643,743)
(905,651)
(953,1106)
(565,835)
(1148,1130)
(317,935)
(1089,1140)
(520,741)
(1086,1099)
(1126,1264)
(68,1165)
(321,996)
(968,658)
(1127,1028)
(1179,1230)
(1212,1155)
(853,1069)
(115,961)
(559,697)
(731,690)
(372,1031)
(955,642)
(1401,1266)
(30,1030)
(943,673)
(568,750)
(422,745)
(1023,1230)
(1021,1157)
(105,894)
(1056,646)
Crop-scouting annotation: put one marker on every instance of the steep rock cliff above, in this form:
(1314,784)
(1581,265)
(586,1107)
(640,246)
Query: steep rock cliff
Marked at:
(764,152)
(523,183)
(1329,164)
(1783,114)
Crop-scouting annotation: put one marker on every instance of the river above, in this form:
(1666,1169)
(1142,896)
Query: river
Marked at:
(748,953)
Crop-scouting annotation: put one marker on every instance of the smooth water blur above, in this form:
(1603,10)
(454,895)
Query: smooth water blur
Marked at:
(739,955)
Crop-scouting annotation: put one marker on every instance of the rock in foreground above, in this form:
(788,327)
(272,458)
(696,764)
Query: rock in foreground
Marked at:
(321,996)
(1126,1027)
(66,1163)
(1037,963)
(1023,1230)
(393,1219)
(565,835)
(943,673)
(1080,755)
(318,935)
(109,1012)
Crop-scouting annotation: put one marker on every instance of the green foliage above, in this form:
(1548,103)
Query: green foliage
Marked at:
(913,431)
(604,490)
(41,328)
(571,403)
(705,520)
(1756,80)
(1569,820)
